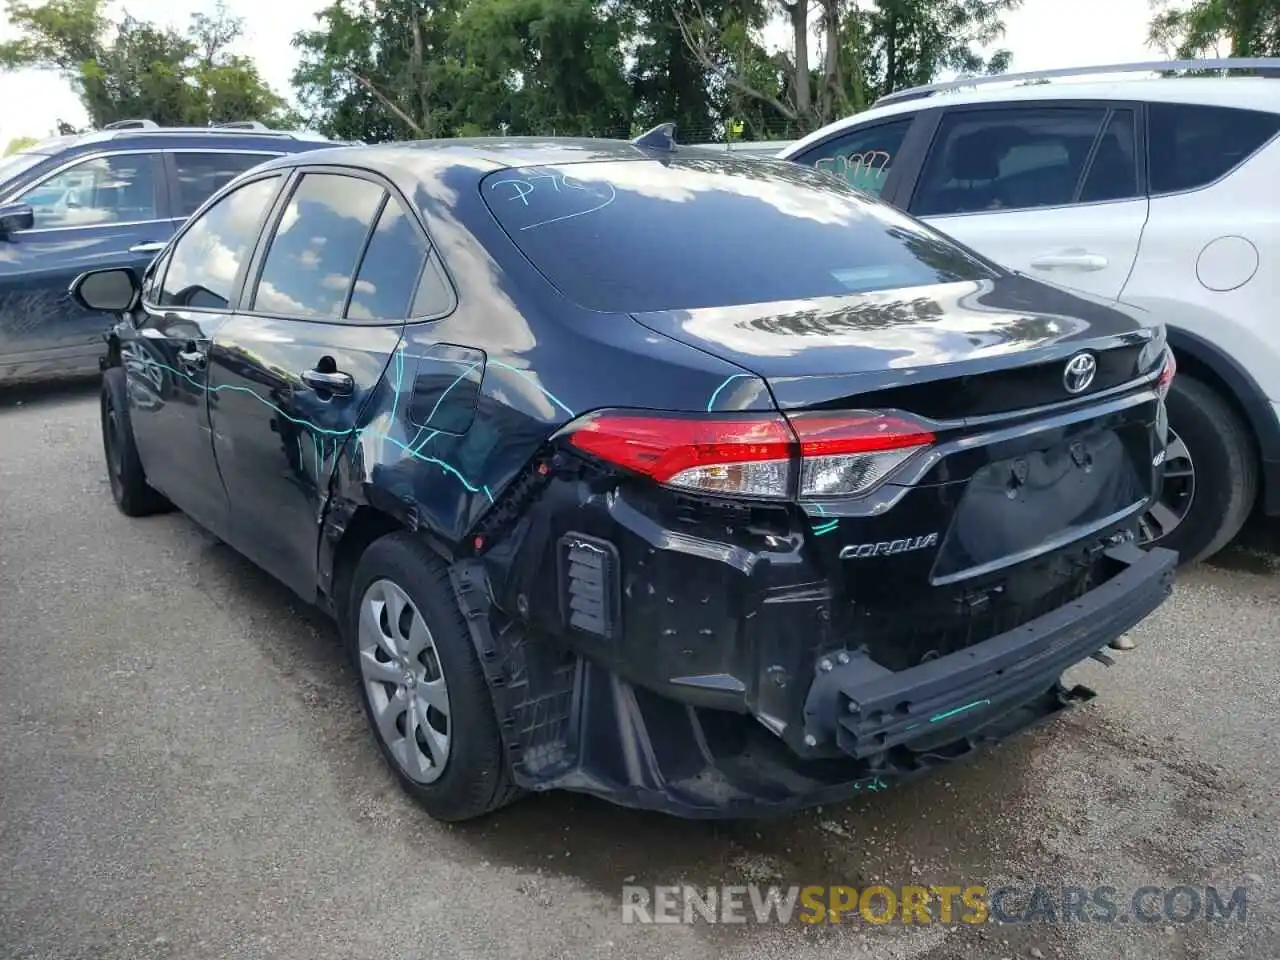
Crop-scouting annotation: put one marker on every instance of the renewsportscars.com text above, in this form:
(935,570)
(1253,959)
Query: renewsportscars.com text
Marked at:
(940,904)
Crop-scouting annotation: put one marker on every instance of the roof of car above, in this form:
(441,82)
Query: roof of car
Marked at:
(258,137)
(1254,93)
(486,154)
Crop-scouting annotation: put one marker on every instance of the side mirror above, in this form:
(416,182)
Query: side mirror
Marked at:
(15,217)
(113,290)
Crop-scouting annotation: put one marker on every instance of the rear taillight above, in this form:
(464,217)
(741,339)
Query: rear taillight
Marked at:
(767,456)
(1165,380)
(848,454)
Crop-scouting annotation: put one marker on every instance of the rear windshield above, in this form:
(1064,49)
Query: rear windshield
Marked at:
(631,236)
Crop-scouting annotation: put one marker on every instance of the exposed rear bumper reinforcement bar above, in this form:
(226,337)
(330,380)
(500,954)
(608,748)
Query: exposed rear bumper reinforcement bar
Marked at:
(875,709)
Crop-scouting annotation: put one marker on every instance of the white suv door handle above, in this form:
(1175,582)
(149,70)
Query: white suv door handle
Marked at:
(151,246)
(1074,260)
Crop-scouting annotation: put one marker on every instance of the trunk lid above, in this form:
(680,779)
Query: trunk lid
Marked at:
(945,351)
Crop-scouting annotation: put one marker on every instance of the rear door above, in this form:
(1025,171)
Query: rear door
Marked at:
(186,300)
(104,210)
(1054,190)
(320,319)
(195,175)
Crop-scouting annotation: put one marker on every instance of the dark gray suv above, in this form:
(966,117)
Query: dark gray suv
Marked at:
(110,198)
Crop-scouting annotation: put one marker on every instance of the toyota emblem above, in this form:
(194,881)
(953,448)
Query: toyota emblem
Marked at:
(1079,373)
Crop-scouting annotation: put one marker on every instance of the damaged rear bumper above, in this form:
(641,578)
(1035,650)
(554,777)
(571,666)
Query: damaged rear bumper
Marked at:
(573,724)
(867,709)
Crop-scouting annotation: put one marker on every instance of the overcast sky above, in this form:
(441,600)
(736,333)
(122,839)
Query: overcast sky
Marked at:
(1042,35)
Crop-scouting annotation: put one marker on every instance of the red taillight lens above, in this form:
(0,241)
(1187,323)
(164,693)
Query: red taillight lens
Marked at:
(746,456)
(1165,380)
(848,454)
(839,454)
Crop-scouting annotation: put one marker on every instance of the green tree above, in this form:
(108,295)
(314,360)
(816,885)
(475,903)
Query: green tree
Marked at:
(133,68)
(429,68)
(864,50)
(380,71)
(18,144)
(386,69)
(1237,28)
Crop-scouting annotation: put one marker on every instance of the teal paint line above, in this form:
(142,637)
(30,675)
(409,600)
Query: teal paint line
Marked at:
(417,447)
(440,399)
(728,380)
(524,373)
(951,713)
(317,431)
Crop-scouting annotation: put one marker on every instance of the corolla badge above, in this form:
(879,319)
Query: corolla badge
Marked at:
(887,548)
(1079,372)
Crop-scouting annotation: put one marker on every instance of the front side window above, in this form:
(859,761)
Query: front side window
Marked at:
(862,158)
(207,259)
(201,175)
(312,259)
(104,190)
(1018,159)
(634,236)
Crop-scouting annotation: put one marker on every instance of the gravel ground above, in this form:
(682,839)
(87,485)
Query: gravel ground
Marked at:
(185,773)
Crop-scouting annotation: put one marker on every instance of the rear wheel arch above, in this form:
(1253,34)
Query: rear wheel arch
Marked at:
(340,556)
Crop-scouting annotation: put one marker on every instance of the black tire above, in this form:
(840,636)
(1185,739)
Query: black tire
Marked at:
(129,487)
(475,778)
(1225,470)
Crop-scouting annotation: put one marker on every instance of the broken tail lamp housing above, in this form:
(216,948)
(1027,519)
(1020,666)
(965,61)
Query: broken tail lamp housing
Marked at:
(765,456)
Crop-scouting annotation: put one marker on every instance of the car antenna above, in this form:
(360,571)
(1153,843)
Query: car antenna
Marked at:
(661,137)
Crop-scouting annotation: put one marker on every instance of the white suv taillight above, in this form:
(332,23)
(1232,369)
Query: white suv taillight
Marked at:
(758,456)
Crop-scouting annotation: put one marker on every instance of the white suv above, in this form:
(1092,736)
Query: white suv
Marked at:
(1163,193)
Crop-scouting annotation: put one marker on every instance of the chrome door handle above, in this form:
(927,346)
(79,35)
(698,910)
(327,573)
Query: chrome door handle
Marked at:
(336,383)
(1070,261)
(193,358)
(150,246)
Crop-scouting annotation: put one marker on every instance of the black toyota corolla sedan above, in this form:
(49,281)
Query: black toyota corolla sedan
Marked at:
(702,484)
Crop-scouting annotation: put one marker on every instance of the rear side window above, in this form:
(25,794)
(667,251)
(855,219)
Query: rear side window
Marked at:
(638,235)
(313,255)
(863,157)
(1018,159)
(389,272)
(1193,145)
(201,175)
(206,260)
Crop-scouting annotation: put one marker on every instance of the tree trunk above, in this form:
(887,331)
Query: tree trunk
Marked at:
(832,83)
(417,70)
(799,10)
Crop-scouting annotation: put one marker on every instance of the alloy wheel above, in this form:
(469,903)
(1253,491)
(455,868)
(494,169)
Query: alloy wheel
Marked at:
(404,682)
(1176,494)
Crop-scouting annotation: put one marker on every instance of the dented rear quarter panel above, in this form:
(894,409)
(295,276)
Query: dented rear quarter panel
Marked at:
(468,400)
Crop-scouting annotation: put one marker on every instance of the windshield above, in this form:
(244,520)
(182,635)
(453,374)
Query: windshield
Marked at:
(634,236)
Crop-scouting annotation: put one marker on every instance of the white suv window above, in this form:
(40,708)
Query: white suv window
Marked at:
(1018,159)
(861,157)
(1193,145)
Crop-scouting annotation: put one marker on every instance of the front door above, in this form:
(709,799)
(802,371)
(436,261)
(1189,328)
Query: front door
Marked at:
(105,211)
(1050,191)
(166,359)
(292,371)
